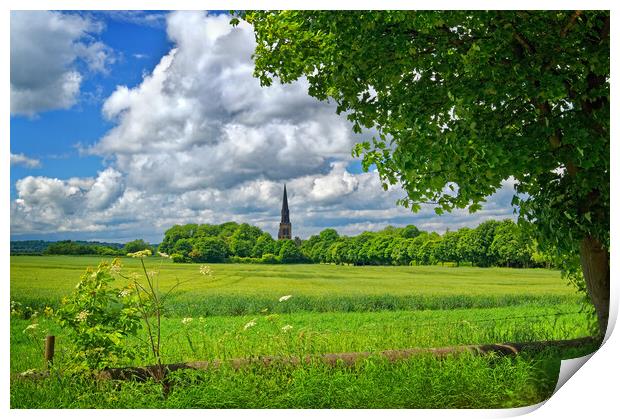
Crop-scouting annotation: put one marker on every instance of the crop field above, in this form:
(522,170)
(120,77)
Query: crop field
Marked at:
(237,313)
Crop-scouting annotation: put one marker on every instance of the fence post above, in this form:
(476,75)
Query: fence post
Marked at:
(49,350)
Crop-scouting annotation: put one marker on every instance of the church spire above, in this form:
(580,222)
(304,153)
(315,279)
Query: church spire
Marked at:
(284,211)
(285,222)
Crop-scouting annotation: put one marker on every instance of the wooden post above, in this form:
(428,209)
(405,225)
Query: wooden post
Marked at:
(49,350)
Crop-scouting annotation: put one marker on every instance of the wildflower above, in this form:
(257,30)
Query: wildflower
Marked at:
(32,326)
(287,328)
(284,298)
(82,315)
(163,255)
(124,293)
(153,274)
(115,269)
(140,254)
(48,311)
(28,372)
(249,324)
(206,270)
(187,320)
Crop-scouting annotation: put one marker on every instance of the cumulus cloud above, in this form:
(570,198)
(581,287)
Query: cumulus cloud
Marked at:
(45,49)
(48,204)
(198,140)
(202,120)
(22,160)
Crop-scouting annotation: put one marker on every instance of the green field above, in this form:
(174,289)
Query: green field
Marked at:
(332,309)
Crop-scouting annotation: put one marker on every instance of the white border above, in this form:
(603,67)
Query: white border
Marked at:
(591,393)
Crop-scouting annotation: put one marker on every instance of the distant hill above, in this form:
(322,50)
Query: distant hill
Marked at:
(33,247)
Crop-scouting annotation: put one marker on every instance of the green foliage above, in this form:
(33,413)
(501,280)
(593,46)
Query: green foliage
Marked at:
(100,318)
(390,247)
(290,253)
(179,258)
(208,249)
(270,258)
(232,242)
(264,245)
(136,246)
(69,247)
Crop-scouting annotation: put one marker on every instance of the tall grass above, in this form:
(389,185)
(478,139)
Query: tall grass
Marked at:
(463,381)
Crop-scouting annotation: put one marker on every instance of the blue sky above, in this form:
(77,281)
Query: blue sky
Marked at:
(123,124)
(53,137)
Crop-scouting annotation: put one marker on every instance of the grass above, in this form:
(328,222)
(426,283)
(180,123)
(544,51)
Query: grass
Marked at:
(332,309)
(463,381)
(247,289)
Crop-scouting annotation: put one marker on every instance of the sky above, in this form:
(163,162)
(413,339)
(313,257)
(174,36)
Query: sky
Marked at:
(126,123)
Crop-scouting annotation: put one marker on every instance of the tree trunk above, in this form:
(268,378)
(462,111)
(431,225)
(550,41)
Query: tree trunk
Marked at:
(595,265)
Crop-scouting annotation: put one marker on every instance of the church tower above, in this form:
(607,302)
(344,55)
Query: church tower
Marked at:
(285,222)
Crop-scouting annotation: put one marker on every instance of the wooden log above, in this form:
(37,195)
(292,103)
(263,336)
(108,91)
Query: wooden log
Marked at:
(348,358)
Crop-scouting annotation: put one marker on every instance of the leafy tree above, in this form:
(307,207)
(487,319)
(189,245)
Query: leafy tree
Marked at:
(289,253)
(410,232)
(467,245)
(183,247)
(209,249)
(399,254)
(136,246)
(174,234)
(207,230)
(510,245)
(264,244)
(243,240)
(450,242)
(228,229)
(484,236)
(463,100)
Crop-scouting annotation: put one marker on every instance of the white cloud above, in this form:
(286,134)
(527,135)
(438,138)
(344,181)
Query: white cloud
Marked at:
(48,204)
(22,160)
(45,47)
(202,120)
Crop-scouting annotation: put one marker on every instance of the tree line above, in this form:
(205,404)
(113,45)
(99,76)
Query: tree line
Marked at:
(492,243)
(233,242)
(78,247)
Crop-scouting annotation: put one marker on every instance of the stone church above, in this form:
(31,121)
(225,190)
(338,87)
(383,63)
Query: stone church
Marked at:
(285,223)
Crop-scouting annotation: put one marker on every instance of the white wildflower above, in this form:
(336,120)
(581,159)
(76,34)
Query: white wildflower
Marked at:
(115,269)
(124,293)
(206,270)
(187,320)
(287,328)
(140,254)
(28,372)
(284,298)
(32,326)
(249,324)
(82,315)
